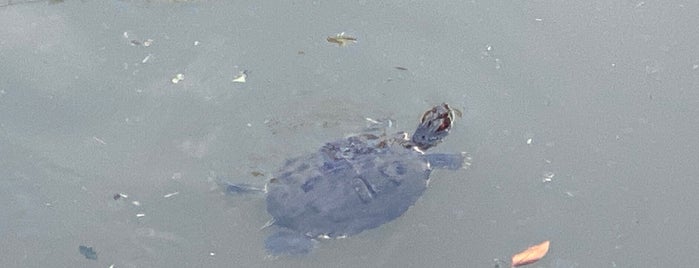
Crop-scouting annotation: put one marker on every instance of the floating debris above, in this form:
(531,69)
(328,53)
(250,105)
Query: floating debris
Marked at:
(88,252)
(140,215)
(146,58)
(135,42)
(257,173)
(99,140)
(136,203)
(400,68)
(529,141)
(531,255)
(378,124)
(118,196)
(341,39)
(171,194)
(548,176)
(240,78)
(178,77)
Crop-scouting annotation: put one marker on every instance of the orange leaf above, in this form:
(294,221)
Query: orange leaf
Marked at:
(531,255)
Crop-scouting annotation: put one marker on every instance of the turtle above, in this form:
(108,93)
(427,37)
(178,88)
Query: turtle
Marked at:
(353,184)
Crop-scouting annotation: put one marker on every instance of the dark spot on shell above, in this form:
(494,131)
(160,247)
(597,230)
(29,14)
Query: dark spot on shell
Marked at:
(308,185)
(303,167)
(394,169)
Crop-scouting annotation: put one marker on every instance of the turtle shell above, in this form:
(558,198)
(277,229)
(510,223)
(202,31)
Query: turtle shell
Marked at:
(348,186)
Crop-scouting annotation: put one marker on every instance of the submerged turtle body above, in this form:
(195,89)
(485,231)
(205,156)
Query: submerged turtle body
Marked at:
(347,187)
(355,184)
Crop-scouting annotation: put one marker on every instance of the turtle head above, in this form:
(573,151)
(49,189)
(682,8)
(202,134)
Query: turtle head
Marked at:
(434,126)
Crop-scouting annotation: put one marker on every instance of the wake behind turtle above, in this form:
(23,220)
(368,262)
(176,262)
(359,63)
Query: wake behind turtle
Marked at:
(354,184)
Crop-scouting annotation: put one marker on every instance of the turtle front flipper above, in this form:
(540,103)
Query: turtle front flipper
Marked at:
(448,161)
(289,243)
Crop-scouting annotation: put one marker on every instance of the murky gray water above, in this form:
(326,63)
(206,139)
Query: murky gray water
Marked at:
(581,118)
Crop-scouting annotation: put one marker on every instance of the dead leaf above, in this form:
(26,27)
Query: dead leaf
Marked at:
(341,39)
(240,78)
(531,255)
